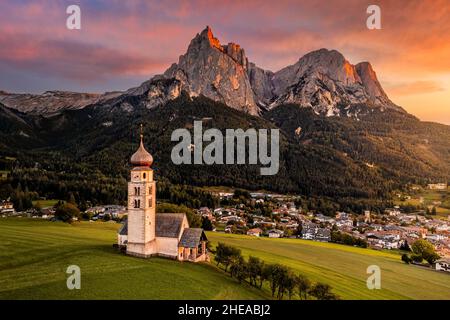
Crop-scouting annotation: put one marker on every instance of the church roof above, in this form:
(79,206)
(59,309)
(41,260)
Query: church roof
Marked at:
(191,237)
(141,157)
(169,224)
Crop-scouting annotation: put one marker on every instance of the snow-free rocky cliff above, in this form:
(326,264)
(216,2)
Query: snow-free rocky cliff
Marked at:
(322,80)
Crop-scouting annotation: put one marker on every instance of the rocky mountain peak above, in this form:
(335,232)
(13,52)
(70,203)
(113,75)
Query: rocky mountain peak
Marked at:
(215,71)
(206,40)
(322,80)
(372,86)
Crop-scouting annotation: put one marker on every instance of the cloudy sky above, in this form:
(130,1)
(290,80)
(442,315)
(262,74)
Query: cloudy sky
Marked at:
(122,43)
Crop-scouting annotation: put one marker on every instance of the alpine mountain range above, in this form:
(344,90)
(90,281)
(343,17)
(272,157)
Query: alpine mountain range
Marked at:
(341,134)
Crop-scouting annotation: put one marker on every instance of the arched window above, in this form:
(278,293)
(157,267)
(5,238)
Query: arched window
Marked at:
(139,203)
(136,204)
(144,175)
(150,202)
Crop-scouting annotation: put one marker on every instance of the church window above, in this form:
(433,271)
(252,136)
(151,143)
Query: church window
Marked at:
(150,202)
(137,204)
(137,191)
(144,175)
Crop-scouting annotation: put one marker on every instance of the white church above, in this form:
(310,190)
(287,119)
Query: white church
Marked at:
(147,233)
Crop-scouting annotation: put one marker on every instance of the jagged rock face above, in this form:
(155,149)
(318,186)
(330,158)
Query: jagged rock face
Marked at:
(51,102)
(373,88)
(262,84)
(325,81)
(322,80)
(215,71)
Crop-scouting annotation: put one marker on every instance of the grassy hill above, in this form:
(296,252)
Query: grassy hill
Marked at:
(34,256)
(344,267)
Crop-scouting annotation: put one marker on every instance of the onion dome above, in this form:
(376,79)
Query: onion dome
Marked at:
(141,158)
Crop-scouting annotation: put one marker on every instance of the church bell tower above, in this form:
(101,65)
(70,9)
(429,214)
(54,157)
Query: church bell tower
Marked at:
(141,205)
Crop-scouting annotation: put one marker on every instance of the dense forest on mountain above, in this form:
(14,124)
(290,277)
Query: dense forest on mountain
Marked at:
(86,152)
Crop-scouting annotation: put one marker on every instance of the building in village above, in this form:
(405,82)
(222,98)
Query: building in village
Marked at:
(256,232)
(443,265)
(147,233)
(6,207)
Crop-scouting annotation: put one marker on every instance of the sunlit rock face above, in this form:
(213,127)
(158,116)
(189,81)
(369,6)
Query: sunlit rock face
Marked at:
(373,88)
(216,71)
(322,80)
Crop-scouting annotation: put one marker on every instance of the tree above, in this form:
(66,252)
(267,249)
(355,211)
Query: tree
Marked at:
(255,267)
(238,267)
(66,212)
(424,249)
(405,246)
(225,255)
(431,257)
(416,258)
(322,291)
(270,274)
(406,258)
(206,224)
(290,283)
(303,286)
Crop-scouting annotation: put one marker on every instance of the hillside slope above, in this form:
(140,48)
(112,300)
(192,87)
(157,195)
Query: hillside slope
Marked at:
(333,156)
(35,267)
(344,267)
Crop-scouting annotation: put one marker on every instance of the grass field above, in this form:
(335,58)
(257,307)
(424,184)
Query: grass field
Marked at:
(428,198)
(344,267)
(34,256)
(45,203)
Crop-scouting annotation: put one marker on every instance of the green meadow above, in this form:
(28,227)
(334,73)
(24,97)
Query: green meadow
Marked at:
(345,267)
(35,254)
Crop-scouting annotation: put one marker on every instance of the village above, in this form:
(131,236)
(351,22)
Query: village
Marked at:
(393,229)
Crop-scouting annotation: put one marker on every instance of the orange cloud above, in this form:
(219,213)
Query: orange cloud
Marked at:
(417,87)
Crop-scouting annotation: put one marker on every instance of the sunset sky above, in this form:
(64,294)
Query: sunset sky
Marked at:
(123,43)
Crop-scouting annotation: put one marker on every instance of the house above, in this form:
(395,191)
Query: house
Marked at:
(6,207)
(323,234)
(311,231)
(443,265)
(274,233)
(437,186)
(392,212)
(146,233)
(256,232)
(122,236)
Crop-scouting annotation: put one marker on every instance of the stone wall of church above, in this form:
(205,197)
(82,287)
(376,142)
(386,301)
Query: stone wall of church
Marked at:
(167,246)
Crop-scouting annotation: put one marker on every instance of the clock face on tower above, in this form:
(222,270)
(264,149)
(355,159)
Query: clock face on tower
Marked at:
(136,176)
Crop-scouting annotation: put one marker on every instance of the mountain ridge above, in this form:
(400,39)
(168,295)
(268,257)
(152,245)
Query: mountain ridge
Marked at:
(322,80)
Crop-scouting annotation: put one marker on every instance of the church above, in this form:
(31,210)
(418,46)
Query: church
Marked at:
(147,233)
